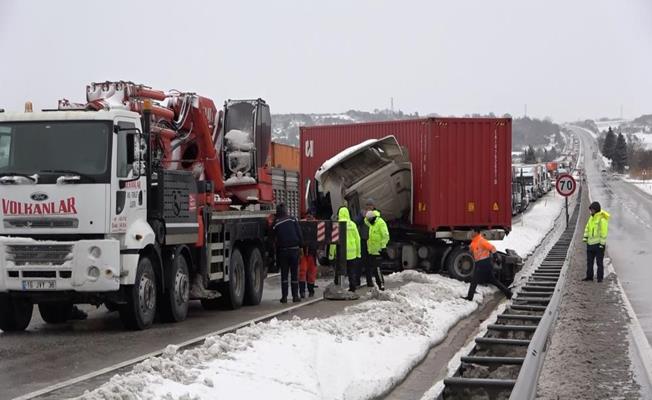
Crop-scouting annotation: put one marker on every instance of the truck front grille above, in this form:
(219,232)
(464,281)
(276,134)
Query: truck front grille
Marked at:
(41,223)
(36,254)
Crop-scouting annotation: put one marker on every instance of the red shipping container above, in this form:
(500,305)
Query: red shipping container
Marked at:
(461,167)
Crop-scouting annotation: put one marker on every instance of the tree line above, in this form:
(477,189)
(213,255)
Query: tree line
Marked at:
(626,154)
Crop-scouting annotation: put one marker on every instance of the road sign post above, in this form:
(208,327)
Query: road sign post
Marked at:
(566,186)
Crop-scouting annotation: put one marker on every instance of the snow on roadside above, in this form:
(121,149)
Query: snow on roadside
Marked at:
(358,354)
(645,186)
(533,226)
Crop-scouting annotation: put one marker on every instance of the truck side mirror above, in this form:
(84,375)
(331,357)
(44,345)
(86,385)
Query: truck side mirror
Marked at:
(129,157)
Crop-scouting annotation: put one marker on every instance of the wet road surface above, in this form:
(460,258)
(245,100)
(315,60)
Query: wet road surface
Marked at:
(48,354)
(629,243)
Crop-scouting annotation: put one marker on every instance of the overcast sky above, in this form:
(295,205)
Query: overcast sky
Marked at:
(565,59)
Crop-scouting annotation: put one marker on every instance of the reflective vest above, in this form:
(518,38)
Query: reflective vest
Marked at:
(481,248)
(378,234)
(353,247)
(597,228)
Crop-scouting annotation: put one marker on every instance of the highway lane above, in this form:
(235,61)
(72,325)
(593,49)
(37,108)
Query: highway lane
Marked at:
(48,354)
(630,229)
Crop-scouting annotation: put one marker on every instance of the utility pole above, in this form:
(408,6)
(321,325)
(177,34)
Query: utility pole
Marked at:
(391,105)
(525,111)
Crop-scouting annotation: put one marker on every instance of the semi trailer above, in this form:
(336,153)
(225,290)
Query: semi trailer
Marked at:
(432,179)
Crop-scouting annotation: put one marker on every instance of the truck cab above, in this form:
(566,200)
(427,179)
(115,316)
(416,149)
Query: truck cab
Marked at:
(74,207)
(99,207)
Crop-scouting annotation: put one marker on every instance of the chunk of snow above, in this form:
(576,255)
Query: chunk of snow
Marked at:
(238,140)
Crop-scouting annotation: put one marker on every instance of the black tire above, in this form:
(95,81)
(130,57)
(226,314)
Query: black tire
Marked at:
(233,291)
(139,311)
(460,264)
(15,314)
(55,313)
(174,302)
(254,277)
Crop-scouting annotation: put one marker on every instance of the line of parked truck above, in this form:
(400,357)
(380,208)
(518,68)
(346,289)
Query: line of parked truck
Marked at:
(531,181)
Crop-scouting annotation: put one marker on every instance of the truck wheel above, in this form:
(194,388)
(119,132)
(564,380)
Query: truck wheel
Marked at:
(15,314)
(254,277)
(460,264)
(174,302)
(55,313)
(139,311)
(233,291)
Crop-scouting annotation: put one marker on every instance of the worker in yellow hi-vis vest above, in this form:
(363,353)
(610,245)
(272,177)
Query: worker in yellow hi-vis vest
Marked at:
(595,237)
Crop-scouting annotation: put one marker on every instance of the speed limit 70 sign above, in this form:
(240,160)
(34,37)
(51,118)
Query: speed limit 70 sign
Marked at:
(566,185)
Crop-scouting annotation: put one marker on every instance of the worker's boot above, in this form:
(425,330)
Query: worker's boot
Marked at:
(198,289)
(302,289)
(311,289)
(77,314)
(284,292)
(295,292)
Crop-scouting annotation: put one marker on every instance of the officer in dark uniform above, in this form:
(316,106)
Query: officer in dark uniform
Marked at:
(288,238)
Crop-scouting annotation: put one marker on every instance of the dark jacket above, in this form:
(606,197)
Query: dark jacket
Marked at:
(363,229)
(287,232)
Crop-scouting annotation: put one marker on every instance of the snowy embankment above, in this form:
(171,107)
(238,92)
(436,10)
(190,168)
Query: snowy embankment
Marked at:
(533,226)
(645,186)
(359,354)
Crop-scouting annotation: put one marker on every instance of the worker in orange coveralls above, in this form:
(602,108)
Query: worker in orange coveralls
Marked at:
(483,252)
(308,267)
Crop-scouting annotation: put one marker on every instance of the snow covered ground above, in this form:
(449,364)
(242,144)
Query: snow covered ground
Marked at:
(645,138)
(533,226)
(358,354)
(643,185)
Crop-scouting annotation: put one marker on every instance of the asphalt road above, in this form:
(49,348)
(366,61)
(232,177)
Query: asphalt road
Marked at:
(48,354)
(630,230)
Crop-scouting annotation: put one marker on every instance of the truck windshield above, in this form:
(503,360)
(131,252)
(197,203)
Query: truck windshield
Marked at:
(50,148)
(241,117)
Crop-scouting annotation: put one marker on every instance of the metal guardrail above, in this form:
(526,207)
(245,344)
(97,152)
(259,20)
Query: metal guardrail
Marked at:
(508,359)
(528,377)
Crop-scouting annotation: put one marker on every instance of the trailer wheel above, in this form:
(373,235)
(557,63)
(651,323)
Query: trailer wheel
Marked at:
(15,314)
(460,264)
(55,313)
(254,277)
(174,302)
(139,311)
(233,291)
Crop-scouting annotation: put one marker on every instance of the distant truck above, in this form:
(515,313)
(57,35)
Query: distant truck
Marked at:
(552,168)
(433,180)
(520,200)
(530,179)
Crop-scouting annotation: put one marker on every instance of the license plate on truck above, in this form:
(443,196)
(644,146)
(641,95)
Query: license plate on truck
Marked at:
(39,285)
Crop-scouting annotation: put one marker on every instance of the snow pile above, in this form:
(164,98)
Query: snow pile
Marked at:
(533,226)
(359,354)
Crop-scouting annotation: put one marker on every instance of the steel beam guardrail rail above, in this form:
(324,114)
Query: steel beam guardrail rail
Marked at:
(528,378)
